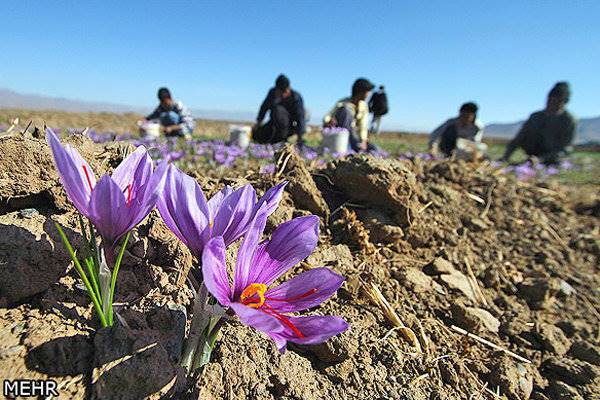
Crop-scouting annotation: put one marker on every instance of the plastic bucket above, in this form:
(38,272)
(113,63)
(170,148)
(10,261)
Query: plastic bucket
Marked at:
(469,150)
(240,135)
(335,140)
(150,129)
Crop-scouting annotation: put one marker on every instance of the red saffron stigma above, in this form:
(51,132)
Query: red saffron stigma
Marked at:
(311,291)
(87,175)
(128,195)
(283,319)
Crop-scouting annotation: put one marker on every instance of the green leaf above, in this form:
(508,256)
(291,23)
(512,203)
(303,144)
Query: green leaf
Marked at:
(82,274)
(115,272)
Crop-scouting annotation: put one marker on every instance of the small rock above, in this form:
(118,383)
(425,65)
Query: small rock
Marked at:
(335,350)
(586,352)
(566,289)
(439,266)
(474,319)
(415,279)
(514,380)
(28,212)
(538,292)
(475,224)
(558,390)
(553,339)
(573,372)
(459,281)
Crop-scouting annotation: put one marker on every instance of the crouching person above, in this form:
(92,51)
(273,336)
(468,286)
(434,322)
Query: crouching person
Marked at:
(287,114)
(465,126)
(174,118)
(547,134)
(352,113)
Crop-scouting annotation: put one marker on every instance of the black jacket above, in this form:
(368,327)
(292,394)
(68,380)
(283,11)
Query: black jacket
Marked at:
(378,104)
(293,104)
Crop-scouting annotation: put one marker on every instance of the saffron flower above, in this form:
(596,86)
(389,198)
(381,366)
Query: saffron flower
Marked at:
(183,207)
(258,266)
(114,204)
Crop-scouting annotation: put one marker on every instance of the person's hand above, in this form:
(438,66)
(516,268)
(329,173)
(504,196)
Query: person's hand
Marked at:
(364,145)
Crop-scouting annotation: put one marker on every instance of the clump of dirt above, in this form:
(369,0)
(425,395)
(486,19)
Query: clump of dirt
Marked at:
(450,245)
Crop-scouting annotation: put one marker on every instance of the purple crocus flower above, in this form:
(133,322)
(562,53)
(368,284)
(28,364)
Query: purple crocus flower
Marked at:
(258,266)
(115,204)
(268,169)
(228,213)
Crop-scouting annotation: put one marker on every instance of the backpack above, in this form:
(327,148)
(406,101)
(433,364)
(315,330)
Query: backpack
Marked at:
(379,104)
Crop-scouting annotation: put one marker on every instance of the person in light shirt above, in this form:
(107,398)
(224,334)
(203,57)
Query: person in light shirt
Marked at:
(352,113)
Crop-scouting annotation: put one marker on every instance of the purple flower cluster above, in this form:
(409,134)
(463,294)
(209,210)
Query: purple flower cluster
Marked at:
(529,170)
(218,152)
(328,131)
(116,204)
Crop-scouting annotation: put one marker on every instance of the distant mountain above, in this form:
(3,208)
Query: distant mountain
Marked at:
(588,130)
(12,99)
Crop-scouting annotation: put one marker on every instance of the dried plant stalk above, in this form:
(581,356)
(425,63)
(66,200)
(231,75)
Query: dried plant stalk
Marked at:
(377,297)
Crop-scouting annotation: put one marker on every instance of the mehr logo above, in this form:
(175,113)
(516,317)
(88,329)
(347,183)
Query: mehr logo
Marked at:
(29,388)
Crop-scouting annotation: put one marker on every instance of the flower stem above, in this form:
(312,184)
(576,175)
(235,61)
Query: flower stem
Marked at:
(94,249)
(207,344)
(90,266)
(113,280)
(81,272)
(199,322)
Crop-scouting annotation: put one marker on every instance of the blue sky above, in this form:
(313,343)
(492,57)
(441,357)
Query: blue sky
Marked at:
(431,55)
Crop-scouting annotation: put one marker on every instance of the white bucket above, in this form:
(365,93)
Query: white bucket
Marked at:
(150,129)
(240,135)
(335,140)
(469,150)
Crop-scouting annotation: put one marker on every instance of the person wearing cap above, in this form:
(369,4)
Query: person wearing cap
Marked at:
(465,126)
(287,114)
(174,118)
(547,133)
(352,113)
(378,106)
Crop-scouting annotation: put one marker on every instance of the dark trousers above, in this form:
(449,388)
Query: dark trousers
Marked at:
(448,140)
(170,118)
(277,129)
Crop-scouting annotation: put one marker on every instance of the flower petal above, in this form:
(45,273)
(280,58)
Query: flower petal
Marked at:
(315,329)
(272,198)
(290,243)
(215,202)
(147,195)
(214,270)
(134,170)
(72,170)
(182,206)
(257,319)
(235,214)
(244,268)
(309,289)
(108,210)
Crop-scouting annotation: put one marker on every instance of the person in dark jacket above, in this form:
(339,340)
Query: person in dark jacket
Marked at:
(378,106)
(466,126)
(547,133)
(287,115)
(175,119)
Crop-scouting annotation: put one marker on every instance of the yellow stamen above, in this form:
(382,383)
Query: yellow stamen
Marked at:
(247,296)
